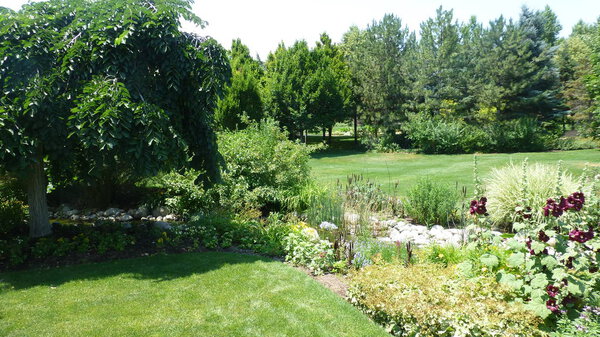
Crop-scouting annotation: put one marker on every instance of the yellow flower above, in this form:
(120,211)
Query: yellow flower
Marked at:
(440,255)
(484,269)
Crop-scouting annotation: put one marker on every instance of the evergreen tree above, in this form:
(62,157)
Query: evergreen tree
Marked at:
(242,95)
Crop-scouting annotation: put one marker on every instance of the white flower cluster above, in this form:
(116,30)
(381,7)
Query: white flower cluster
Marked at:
(328,226)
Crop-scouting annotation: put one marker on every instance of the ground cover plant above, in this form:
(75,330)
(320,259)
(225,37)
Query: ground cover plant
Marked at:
(201,294)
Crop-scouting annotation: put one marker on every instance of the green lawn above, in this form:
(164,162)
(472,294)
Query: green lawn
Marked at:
(195,294)
(405,168)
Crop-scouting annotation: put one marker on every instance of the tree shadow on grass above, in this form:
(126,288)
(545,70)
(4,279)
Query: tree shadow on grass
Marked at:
(160,268)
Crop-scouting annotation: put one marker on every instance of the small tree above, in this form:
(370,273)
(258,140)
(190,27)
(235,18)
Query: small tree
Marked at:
(90,86)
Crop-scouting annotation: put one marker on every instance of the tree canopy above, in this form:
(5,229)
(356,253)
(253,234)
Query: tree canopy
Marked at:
(105,85)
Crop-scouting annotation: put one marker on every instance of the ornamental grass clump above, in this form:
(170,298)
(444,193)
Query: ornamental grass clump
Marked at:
(430,300)
(516,187)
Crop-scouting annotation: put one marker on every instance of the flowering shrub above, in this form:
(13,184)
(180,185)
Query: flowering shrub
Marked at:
(306,250)
(554,264)
(428,300)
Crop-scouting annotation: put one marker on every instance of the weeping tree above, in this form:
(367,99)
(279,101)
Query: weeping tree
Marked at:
(91,86)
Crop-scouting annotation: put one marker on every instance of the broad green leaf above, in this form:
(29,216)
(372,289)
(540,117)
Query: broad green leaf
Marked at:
(516,260)
(489,260)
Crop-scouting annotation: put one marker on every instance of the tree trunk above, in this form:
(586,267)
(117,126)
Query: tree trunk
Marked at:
(323,134)
(36,197)
(330,131)
(355,127)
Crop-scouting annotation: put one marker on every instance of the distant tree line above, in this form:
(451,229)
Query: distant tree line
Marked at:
(386,76)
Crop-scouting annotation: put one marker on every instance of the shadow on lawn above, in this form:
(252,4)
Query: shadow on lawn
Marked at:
(162,267)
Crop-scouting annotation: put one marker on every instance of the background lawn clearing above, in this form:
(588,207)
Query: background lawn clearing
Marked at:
(388,168)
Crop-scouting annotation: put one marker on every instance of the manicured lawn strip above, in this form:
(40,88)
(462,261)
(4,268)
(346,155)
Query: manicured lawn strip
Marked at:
(195,294)
(405,168)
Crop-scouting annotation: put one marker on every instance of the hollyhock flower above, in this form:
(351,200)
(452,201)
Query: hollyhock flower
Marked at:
(552,208)
(568,299)
(551,304)
(543,236)
(478,207)
(552,290)
(569,264)
(581,236)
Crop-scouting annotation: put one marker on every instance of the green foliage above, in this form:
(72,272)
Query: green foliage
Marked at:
(587,323)
(182,194)
(242,96)
(92,85)
(306,89)
(554,267)
(439,135)
(369,251)
(518,135)
(575,143)
(574,59)
(376,57)
(431,203)
(427,300)
(524,186)
(13,216)
(471,260)
(309,251)
(264,169)
(361,194)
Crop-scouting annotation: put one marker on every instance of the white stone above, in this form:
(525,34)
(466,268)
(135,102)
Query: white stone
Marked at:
(170,217)
(422,241)
(112,212)
(395,235)
(160,211)
(75,217)
(162,225)
(125,217)
(419,228)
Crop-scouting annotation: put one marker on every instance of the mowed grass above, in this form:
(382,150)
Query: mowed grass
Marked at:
(405,168)
(195,294)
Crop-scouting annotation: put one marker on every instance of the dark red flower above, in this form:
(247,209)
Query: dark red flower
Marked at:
(568,299)
(581,236)
(543,236)
(478,207)
(552,290)
(551,304)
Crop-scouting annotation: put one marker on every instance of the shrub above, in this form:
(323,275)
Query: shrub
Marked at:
(431,203)
(303,249)
(526,186)
(435,135)
(517,135)
(428,300)
(13,216)
(181,193)
(264,169)
(575,143)
(439,135)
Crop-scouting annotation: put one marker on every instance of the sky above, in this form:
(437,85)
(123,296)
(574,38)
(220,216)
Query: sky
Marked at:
(263,24)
